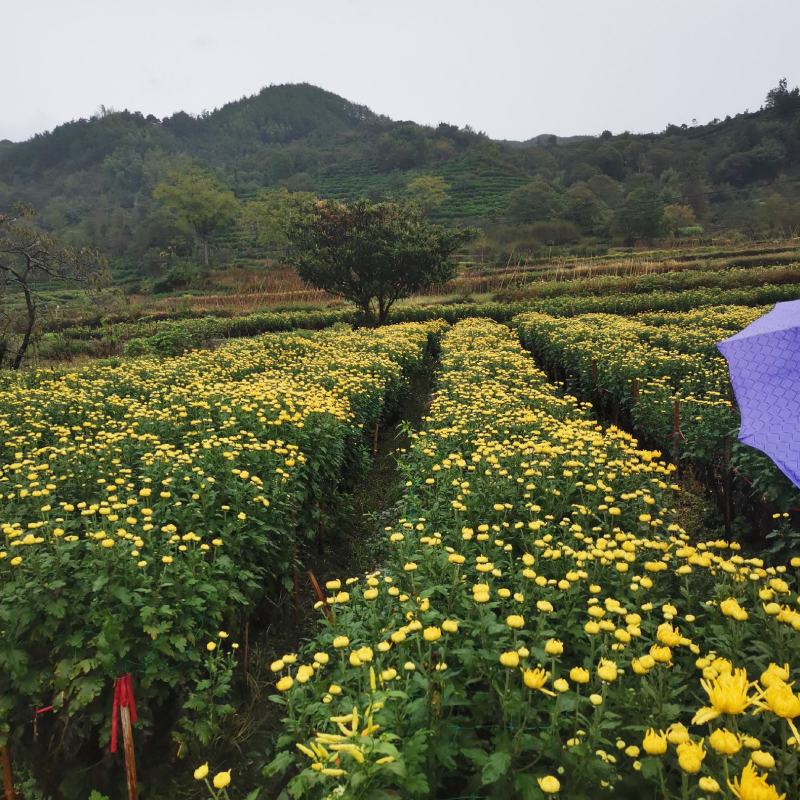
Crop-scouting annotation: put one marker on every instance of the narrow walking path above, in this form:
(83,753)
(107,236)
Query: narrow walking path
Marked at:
(353,544)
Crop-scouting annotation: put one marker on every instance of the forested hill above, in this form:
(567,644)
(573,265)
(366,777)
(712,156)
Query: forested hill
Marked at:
(94,179)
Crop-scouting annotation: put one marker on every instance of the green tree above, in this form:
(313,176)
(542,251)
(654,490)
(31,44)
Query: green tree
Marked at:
(642,214)
(404,147)
(607,190)
(610,161)
(372,254)
(266,220)
(534,201)
(783,100)
(776,215)
(28,258)
(198,201)
(582,207)
(427,192)
(677,216)
(669,185)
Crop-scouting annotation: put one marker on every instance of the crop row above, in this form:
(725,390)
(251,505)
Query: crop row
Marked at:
(668,280)
(540,610)
(663,370)
(146,506)
(172,337)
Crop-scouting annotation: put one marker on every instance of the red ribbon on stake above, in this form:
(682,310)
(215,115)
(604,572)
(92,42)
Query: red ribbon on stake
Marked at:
(123,698)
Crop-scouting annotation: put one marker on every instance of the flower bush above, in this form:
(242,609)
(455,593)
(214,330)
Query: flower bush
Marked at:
(673,357)
(543,625)
(146,505)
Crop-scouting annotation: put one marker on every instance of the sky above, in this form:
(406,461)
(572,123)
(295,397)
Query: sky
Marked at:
(511,68)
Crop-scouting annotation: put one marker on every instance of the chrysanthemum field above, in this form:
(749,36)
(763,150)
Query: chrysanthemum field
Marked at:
(538,621)
(544,624)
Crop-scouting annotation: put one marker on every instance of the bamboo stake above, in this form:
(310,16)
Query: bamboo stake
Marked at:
(130,756)
(8,775)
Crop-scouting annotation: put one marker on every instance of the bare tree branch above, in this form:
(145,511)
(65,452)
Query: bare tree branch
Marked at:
(29,256)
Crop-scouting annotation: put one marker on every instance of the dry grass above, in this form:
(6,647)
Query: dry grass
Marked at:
(245,289)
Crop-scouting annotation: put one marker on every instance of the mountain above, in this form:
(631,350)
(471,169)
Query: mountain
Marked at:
(92,179)
(546,138)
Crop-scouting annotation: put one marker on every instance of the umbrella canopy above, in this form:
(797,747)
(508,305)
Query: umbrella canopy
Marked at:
(764,363)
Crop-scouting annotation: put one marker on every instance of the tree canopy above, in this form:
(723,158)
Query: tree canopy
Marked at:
(642,215)
(198,201)
(372,254)
(268,217)
(427,191)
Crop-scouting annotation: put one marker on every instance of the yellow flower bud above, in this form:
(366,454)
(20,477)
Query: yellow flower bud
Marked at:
(510,659)
(708,785)
(431,634)
(579,675)
(655,742)
(549,784)
(222,780)
(554,647)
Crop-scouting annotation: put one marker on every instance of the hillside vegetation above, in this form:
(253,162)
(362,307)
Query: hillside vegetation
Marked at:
(94,179)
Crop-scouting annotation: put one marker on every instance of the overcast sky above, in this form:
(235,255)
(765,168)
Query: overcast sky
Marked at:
(508,67)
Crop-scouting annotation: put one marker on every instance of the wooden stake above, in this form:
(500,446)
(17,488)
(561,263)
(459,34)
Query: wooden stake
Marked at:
(8,775)
(727,489)
(130,756)
(597,394)
(375,439)
(246,648)
(320,595)
(676,430)
(296,592)
(635,390)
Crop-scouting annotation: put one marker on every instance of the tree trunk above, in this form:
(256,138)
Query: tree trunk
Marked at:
(205,253)
(366,313)
(383,310)
(26,339)
(384,307)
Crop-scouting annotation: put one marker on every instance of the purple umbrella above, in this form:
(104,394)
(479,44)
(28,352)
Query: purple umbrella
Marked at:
(764,362)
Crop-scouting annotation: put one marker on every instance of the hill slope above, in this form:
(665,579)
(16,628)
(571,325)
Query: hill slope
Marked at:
(93,179)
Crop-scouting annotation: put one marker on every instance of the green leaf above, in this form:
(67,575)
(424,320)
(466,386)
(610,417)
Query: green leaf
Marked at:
(279,764)
(526,787)
(496,766)
(476,755)
(444,752)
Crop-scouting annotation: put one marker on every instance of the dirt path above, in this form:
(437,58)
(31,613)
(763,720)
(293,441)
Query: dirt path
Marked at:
(353,543)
